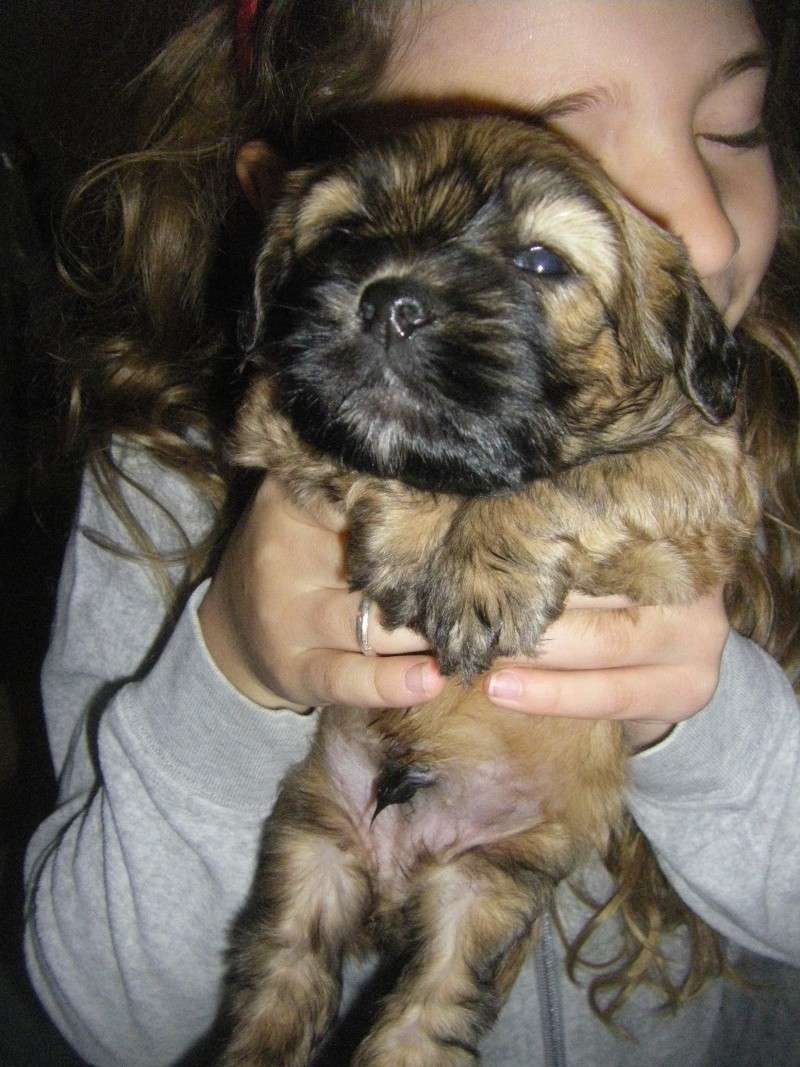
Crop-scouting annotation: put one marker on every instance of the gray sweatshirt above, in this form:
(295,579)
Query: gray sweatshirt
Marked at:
(166,774)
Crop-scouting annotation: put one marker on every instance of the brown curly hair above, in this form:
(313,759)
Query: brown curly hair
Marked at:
(155,257)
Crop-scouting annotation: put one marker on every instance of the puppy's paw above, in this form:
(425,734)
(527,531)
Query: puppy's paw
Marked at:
(474,615)
(467,616)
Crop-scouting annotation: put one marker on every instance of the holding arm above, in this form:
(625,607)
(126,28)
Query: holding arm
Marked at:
(166,773)
(718,793)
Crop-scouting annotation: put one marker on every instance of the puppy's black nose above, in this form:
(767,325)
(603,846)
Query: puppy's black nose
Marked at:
(394,308)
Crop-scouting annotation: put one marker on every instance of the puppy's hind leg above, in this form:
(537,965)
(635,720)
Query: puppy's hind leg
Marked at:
(469,925)
(307,908)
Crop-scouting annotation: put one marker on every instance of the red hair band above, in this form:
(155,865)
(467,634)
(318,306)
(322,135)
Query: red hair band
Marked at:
(245,16)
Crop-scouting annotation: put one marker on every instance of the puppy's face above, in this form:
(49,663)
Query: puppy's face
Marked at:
(469,306)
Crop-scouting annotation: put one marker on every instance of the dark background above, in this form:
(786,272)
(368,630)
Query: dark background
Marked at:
(62,66)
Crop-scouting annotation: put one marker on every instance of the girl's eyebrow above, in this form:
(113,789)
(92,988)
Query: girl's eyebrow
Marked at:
(753,59)
(570,103)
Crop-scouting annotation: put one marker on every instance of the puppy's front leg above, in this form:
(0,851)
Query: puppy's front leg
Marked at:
(470,923)
(499,578)
(395,533)
(478,577)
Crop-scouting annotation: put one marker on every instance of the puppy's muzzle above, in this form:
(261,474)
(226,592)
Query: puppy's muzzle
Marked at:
(393,309)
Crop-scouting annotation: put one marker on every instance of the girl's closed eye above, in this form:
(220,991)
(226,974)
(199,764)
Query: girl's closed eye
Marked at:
(732,115)
(745,141)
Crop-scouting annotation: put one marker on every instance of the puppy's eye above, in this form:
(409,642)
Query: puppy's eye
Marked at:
(540,260)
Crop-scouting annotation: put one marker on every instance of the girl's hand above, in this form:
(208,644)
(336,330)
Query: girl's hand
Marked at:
(279,621)
(280,624)
(649,667)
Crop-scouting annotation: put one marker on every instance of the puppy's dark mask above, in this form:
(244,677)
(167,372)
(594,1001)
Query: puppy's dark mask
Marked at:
(460,307)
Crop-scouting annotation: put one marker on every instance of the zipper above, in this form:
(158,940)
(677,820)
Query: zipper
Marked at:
(548,984)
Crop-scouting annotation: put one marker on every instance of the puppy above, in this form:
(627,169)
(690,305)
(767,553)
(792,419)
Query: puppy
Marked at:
(513,386)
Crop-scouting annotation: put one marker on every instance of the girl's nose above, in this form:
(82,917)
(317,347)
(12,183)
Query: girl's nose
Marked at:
(685,199)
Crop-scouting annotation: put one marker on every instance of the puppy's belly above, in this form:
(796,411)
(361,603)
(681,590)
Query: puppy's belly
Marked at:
(470,804)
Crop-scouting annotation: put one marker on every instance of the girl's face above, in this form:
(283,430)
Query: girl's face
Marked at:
(665,94)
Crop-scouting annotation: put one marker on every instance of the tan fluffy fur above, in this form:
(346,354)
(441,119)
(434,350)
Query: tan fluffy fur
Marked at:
(653,501)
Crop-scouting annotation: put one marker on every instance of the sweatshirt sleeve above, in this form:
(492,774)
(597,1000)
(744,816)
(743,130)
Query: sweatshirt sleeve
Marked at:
(165,776)
(719,800)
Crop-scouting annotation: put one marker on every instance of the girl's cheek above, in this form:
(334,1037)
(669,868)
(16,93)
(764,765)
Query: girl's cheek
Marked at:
(762,208)
(754,207)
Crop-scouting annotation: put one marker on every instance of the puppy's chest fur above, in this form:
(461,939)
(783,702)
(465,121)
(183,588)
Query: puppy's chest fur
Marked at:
(512,387)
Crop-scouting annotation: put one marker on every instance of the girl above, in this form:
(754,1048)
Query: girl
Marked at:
(176,704)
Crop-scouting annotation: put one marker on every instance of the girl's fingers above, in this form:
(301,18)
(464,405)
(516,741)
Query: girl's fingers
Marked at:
(655,694)
(607,662)
(634,636)
(335,612)
(382,641)
(322,613)
(368,681)
(638,665)
(597,603)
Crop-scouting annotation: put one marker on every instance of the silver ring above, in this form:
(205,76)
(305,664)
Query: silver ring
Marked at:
(362,627)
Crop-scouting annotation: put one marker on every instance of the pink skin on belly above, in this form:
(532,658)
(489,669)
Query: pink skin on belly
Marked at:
(466,807)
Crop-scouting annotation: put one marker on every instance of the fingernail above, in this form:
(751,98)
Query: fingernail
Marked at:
(505,685)
(418,678)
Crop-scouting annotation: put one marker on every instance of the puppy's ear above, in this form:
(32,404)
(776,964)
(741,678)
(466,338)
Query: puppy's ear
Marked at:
(679,320)
(707,358)
(248,328)
(251,318)
(271,267)
(261,172)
